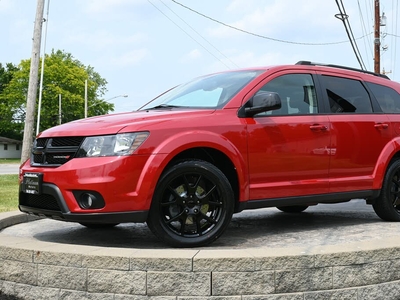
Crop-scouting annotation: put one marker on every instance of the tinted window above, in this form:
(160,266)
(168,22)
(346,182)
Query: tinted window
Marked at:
(388,98)
(346,95)
(297,93)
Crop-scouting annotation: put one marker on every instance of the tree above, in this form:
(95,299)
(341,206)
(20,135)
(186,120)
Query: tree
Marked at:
(8,126)
(65,76)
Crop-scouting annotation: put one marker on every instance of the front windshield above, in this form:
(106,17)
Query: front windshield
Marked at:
(211,91)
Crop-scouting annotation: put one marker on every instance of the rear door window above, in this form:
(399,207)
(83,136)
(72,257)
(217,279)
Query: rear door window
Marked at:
(346,95)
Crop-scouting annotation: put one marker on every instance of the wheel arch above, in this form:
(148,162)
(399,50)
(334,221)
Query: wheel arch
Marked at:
(218,159)
(390,153)
(199,145)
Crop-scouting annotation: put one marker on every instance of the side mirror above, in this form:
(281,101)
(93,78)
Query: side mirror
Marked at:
(261,102)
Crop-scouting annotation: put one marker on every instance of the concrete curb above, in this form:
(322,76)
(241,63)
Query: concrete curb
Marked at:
(30,269)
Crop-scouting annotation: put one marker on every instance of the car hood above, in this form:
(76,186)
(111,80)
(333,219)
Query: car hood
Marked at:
(113,123)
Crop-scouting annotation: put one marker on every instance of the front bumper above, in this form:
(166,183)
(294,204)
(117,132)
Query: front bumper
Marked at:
(119,181)
(51,204)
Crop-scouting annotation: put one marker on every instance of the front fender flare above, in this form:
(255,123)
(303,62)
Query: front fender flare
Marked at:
(172,146)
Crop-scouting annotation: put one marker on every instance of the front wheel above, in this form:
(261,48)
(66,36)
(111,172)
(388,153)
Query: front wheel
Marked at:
(387,206)
(192,205)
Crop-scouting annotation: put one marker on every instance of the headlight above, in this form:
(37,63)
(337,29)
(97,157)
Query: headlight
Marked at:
(112,145)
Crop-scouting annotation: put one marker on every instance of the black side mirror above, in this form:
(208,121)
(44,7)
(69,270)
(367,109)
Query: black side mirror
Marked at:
(261,102)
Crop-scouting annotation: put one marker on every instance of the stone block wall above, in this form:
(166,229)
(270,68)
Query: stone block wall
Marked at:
(41,270)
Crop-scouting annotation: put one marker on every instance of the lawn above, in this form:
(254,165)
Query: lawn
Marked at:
(10,160)
(8,192)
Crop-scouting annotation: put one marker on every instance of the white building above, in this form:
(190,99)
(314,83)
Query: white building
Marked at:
(10,148)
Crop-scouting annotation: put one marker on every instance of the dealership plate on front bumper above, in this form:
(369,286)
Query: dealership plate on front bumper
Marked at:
(32,183)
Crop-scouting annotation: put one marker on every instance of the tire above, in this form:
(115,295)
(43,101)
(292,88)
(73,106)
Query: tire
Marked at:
(293,209)
(387,205)
(99,225)
(192,205)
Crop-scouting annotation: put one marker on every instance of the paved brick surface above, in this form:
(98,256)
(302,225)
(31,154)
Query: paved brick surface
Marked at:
(335,225)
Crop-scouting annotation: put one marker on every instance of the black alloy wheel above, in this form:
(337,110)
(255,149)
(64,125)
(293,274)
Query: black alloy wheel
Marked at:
(387,205)
(192,205)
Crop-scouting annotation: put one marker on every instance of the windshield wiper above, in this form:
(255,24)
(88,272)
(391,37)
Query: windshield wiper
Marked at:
(163,106)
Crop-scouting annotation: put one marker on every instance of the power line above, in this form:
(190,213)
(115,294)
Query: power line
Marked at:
(188,34)
(199,34)
(367,44)
(344,18)
(259,35)
(394,53)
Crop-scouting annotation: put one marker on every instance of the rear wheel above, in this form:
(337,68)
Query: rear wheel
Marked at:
(192,205)
(293,209)
(387,206)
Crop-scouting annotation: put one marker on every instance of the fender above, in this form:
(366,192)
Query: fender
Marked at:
(388,152)
(180,142)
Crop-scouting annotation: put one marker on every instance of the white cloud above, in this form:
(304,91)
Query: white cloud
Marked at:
(192,55)
(106,6)
(105,39)
(130,58)
(280,19)
(5,5)
(240,5)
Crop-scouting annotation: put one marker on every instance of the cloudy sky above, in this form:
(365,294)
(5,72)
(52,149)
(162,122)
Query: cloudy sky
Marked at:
(143,47)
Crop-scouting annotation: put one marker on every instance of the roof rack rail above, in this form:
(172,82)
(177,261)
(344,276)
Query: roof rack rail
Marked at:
(309,63)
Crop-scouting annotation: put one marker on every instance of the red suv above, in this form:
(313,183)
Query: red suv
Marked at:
(283,136)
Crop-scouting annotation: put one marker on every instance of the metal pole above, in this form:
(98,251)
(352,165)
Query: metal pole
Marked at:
(42,70)
(33,81)
(377,41)
(86,104)
(59,109)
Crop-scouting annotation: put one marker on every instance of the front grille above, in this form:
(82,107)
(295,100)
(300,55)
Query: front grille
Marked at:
(53,152)
(42,201)
(66,141)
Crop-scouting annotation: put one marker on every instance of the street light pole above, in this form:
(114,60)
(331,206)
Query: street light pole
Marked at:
(42,70)
(86,99)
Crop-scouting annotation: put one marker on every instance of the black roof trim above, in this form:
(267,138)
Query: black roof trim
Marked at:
(309,63)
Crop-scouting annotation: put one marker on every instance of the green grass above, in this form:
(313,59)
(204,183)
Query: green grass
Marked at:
(8,192)
(10,160)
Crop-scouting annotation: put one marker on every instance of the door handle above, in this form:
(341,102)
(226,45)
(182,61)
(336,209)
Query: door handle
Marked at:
(381,126)
(318,127)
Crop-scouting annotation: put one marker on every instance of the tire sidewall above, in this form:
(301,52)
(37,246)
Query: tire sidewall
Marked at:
(384,207)
(158,226)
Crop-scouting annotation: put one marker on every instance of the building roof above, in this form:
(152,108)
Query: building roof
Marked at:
(4,140)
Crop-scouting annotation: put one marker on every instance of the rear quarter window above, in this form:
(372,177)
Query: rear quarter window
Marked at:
(388,98)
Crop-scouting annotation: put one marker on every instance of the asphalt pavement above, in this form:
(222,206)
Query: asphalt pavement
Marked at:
(9,169)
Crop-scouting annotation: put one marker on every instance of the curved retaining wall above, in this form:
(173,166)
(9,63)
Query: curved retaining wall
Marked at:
(35,270)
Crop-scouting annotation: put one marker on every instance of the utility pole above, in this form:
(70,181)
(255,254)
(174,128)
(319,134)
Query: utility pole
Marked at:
(377,39)
(33,81)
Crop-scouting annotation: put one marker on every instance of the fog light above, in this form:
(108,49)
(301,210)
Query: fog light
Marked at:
(89,199)
(86,200)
